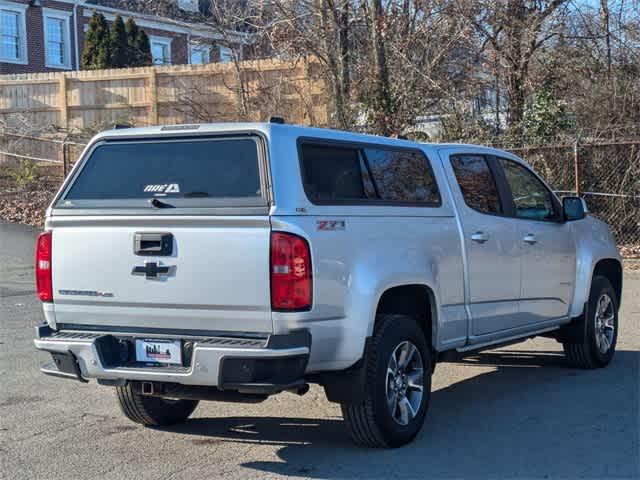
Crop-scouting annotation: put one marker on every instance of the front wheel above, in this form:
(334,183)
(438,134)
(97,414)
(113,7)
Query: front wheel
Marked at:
(152,411)
(597,346)
(398,385)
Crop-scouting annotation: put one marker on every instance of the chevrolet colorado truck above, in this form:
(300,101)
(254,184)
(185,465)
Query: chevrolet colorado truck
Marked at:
(236,261)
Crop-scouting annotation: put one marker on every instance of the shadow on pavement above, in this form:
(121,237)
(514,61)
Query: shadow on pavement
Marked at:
(530,417)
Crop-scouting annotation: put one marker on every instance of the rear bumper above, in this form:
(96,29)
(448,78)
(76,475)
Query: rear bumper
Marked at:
(248,365)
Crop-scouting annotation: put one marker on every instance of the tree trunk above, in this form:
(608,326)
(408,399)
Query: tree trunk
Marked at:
(604,7)
(382,102)
(517,98)
(496,87)
(345,59)
(517,72)
(337,68)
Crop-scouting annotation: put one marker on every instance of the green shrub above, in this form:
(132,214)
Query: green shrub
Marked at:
(24,174)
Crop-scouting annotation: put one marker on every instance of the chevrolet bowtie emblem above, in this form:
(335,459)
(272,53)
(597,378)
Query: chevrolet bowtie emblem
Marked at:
(151,270)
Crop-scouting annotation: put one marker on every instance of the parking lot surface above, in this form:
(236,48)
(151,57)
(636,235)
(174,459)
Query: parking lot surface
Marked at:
(516,412)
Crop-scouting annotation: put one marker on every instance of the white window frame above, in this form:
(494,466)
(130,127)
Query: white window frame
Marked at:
(164,41)
(193,46)
(65,16)
(21,10)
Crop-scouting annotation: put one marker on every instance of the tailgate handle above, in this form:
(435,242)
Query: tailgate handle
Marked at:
(153,244)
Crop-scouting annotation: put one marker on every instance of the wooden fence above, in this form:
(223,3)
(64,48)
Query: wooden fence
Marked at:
(165,95)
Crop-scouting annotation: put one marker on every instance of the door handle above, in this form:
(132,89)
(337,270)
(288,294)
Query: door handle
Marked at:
(480,237)
(530,238)
(153,244)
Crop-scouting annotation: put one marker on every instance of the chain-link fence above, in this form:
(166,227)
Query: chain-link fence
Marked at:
(605,173)
(53,154)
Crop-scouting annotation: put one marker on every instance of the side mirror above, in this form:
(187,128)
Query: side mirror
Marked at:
(574,208)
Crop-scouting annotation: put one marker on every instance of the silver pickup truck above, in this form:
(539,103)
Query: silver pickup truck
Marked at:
(236,261)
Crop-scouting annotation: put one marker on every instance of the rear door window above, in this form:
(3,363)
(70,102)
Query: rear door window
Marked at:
(193,172)
(476,183)
(335,173)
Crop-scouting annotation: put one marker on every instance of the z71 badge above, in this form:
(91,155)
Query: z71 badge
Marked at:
(330,225)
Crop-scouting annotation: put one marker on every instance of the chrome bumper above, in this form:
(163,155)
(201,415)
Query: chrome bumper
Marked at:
(205,367)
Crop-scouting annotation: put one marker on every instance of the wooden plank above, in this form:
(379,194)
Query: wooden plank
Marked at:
(152,94)
(108,106)
(5,111)
(9,83)
(97,78)
(62,102)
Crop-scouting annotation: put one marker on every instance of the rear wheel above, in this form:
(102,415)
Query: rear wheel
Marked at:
(398,385)
(598,345)
(152,411)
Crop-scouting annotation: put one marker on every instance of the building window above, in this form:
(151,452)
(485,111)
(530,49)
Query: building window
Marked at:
(13,33)
(57,38)
(188,5)
(225,54)
(199,54)
(160,50)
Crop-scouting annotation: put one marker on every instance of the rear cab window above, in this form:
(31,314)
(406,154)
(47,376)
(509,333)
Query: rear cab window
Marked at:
(336,173)
(194,172)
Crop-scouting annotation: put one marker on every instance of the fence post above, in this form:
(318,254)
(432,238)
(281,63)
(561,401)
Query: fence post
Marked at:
(576,166)
(65,159)
(62,101)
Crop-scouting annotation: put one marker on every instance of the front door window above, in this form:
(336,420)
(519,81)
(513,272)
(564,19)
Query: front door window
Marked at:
(531,199)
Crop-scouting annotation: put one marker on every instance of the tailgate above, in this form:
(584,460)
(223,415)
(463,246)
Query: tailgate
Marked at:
(165,233)
(216,280)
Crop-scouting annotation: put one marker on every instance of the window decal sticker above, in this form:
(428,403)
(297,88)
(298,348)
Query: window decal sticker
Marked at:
(163,188)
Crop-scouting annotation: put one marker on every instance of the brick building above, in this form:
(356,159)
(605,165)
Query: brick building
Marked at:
(48,35)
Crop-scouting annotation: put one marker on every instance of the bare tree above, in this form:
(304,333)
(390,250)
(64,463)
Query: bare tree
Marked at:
(386,63)
(594,66)
(320,29)
(515,31)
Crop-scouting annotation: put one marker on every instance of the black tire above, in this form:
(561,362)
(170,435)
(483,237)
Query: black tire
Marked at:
(370,423)
(586,353)
(152,411)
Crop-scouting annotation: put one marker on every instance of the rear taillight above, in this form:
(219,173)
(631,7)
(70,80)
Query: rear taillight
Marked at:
(44,285)
(291,283)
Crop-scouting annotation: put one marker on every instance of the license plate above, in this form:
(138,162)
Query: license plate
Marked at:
(159,351)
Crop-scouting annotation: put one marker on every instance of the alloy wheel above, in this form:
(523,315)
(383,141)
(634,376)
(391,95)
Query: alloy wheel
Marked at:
(604,323)
(405,382)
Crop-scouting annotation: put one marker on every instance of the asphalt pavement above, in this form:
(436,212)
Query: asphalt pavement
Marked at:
(516,412)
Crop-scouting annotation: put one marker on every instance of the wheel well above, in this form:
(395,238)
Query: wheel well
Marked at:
(413,300)
(348,386)
(612,270)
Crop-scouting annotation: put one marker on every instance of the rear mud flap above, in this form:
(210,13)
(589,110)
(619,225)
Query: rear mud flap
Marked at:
(576,331)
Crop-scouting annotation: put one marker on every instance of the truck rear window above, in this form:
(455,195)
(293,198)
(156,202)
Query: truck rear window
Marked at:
(179,173)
